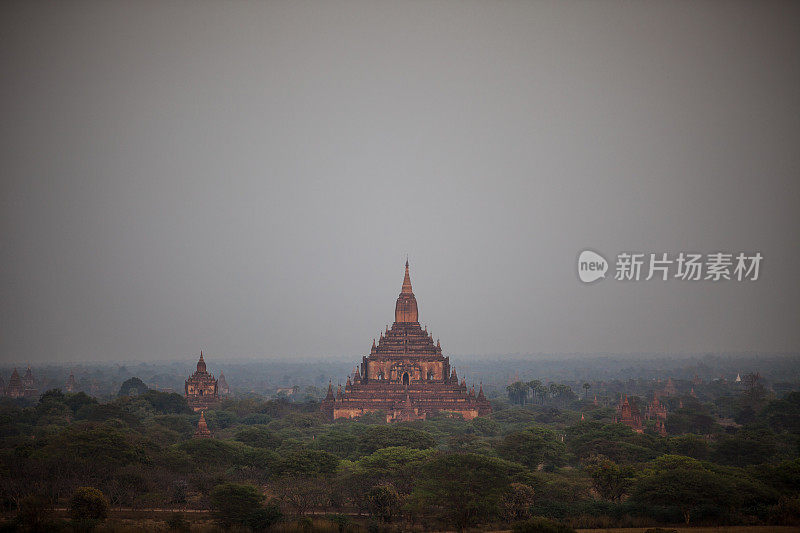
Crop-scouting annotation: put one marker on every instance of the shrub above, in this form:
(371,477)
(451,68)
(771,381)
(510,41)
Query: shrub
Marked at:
(34,513)
(177,522)
(264,517)
(541,525)
(383,501)
(234,504)
(517,501)
(88,503)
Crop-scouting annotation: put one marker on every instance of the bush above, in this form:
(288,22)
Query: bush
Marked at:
(88,503)
(264,517)
(34,513)
(234,504)
(383,501)
(177,522)
(541,525)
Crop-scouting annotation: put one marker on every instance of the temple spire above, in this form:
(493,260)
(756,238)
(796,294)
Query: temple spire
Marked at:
(407,282)
(202,428)
(405,310)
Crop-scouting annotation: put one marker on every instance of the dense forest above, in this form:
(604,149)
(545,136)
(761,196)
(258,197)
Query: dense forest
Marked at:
(550,457)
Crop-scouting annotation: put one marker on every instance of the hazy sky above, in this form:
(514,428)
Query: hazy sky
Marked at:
(247,178)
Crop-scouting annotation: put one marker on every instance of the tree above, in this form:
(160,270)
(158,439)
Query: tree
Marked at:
(562,393)
(586,387)
(517,392)
(132,387)
(783,414)
(535,386)
(264,517)
(753,387)
(304,461)
(690,419)
(516,502)
(258,437)
(747,447)
(35,513)
(384,501)
(541,391)
(532,447)
(464,489)
(78,400)
(690,446)
(301,493)
(377,437)
(233,504)
(88,503)
(611,481)
(166,402)
(685,488)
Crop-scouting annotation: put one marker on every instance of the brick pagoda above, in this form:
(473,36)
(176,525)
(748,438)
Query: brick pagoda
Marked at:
(201,388)
(405,375)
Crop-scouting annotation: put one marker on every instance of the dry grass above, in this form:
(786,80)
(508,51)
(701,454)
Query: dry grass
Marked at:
(720,529)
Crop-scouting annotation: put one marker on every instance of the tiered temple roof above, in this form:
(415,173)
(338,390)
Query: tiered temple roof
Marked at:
(201,388)
(19,387)
(15,389)
(405,375)
(629,414)
(202,428)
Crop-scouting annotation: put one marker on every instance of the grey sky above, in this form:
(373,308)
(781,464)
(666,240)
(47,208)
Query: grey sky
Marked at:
(247,178)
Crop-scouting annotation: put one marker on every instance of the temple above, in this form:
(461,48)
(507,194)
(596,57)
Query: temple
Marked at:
(222,385)
(405,375)
(202,428)
(657,412)
(628,413)
(21,387)
(201,388)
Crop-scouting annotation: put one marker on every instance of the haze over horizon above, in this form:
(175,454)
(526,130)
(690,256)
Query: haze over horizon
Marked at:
(248,178)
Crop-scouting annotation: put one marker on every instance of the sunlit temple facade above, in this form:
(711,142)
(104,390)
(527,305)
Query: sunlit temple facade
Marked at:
(405,375)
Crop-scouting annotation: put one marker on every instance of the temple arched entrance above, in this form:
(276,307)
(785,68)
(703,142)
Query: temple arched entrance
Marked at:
(406,378)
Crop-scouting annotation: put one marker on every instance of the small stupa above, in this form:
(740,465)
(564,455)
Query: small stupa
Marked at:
(202,428)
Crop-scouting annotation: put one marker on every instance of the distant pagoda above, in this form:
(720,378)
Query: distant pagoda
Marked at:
(222,385)
(628,413)
(405,375)
(202,428)
(14,389)
(24,387)
(201,388)
(71,386)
